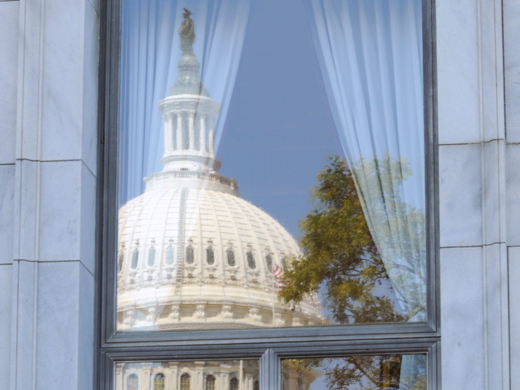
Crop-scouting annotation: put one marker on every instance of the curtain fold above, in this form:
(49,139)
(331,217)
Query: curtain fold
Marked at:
(370,55)
(149,57)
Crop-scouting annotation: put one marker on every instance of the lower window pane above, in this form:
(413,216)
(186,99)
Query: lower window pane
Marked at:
(188,375)
(388,372)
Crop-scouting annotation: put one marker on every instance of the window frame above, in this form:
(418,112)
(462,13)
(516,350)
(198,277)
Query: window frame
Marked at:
(271,344)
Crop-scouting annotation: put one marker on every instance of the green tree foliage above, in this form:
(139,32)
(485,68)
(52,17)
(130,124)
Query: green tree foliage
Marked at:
(339,254)
(340,257)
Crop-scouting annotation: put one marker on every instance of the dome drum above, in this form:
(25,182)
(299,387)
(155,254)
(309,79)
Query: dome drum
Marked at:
(197,315)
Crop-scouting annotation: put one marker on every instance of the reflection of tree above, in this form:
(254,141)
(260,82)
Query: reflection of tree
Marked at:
(374,372)
(340,255)
(363,372)
(398,229)
(338,251)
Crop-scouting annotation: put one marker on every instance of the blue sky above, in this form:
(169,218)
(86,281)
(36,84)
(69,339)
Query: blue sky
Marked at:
(279,128)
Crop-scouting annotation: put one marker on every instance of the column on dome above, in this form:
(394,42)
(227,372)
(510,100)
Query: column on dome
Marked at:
(119,377)
(178,132)
(211,138)
(145,376)
(199,376)
(191,129)
(202,136)
(249,382)
(168,133)
(171,376)
(224,376)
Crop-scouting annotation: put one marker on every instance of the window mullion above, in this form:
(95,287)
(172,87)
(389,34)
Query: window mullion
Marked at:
(269,371)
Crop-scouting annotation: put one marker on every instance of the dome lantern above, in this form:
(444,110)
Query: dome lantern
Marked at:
(189,113)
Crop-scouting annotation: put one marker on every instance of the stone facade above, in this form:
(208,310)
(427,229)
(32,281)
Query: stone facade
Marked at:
(48,78)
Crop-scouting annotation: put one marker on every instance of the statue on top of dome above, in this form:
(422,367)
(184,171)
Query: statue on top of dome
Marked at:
(187,33)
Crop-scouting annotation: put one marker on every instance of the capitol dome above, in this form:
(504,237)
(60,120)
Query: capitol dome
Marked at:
(192,254)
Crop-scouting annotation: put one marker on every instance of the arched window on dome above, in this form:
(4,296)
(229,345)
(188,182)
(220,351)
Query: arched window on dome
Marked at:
(121,261)
(233,384)
(185,382)
(210,382)
(158,382)
(169,255)
(190,255)
(151,256)
(210,255)
(231,257)
(132,382)
(250,260)
(256,385)
(135,258)
(269,262)
(284,263)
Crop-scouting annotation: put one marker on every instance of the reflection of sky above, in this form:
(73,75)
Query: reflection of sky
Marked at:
(279,127)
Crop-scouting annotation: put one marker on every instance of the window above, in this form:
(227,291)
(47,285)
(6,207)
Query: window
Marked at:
(250,259)
(289,148)
(230,257)
(210,382)
(135,258)
(269,262)
(169,255)
(185,382)
(121,261)
(210,256)
(158,382)
(151,256)
(190,255)
(133,382)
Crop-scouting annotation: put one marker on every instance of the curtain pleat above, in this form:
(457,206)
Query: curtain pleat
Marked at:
(370,55)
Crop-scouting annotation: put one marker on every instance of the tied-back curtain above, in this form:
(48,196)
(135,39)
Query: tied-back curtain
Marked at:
(149,56)
(370,54)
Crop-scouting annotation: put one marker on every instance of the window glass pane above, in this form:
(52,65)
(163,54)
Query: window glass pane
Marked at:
(385,372)
(271,164)
(192,375)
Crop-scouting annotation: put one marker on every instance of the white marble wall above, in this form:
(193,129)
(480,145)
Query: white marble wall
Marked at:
(512,103)
(474,202)
(48,131)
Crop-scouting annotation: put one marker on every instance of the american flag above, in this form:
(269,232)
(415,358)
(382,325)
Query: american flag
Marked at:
(278,274)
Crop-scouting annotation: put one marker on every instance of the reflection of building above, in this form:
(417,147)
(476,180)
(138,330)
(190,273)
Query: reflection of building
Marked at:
(192,253)
(197,375)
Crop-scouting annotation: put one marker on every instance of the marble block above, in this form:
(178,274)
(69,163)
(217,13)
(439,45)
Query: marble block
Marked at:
(513,194)
(5,324)
(462,316)
(458,71)
(60,210)
(460,195)
(511,16)
(514,304)
(6,213)
(9,16)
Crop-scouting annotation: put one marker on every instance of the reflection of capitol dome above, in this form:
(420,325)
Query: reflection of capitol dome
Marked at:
(192,253)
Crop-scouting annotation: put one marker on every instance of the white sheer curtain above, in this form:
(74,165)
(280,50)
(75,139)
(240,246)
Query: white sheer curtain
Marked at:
(150,53)
(370,54)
